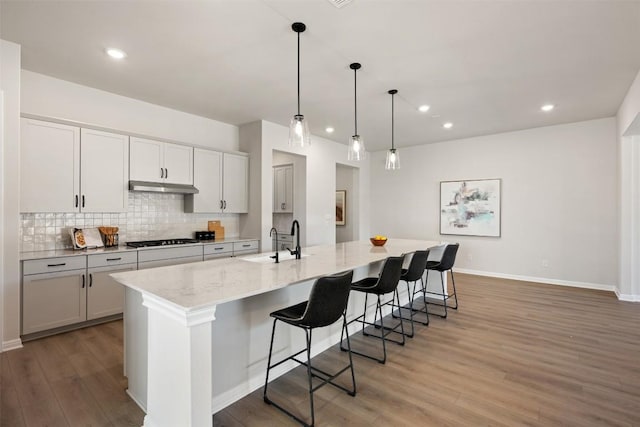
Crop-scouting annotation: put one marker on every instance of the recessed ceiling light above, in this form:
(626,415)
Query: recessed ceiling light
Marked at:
(447,125)
(423,108)
(115,53)
(329,129)
(547,107)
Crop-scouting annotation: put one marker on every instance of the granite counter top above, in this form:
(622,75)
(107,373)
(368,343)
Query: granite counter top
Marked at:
(197,285)
(24,256)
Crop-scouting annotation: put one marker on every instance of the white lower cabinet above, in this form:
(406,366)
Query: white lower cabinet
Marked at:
(217,250)
(70,290)
(246,247)
(51,300)
(105,296)
(159,257)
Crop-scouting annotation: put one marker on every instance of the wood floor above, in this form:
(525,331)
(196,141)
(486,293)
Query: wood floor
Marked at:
(515,353)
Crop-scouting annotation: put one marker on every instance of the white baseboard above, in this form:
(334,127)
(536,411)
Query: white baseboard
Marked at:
(11,344)
(585,285)
(627,297)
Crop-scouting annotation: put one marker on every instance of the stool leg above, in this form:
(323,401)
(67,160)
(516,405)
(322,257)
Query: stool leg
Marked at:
(353,375)
(384,346)
(308,334)
(455,296)
(444,295)
(266,380)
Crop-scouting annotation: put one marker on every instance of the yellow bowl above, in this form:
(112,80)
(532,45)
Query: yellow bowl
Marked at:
(377,242)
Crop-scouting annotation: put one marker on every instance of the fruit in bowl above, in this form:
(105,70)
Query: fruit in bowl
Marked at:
(378,240)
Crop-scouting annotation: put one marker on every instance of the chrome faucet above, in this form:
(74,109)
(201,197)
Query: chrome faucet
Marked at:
(276,256)
(295,231)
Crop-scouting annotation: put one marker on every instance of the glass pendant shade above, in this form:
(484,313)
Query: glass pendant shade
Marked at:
(299,135)
(356,148)
(393,160)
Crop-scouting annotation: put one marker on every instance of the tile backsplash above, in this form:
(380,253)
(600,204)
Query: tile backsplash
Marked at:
(149,216)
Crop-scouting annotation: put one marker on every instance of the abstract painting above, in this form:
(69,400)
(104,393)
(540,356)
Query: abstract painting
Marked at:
(470,208)
(341,207)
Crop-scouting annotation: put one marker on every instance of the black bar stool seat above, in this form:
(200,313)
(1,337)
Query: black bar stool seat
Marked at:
(386,283)
(327,303)
(445,264)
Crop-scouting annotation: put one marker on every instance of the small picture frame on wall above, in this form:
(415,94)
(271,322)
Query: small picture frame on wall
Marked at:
(341,207)
(471,207)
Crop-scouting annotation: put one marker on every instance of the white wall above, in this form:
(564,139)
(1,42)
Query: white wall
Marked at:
(629,193)
(559,200)
(47,96)
(9,196)
(318,225)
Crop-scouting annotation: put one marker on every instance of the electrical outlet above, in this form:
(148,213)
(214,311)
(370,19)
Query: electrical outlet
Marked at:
(545,263)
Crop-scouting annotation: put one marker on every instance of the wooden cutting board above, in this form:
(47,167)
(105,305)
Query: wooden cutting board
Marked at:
(218,228)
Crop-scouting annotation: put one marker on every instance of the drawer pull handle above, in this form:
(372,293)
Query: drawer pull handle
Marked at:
(83,281)
(57,265)
(114,259)
(218,249)
(90,280)
(245,246)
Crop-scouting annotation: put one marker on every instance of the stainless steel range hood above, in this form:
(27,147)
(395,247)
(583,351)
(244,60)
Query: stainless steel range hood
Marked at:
(156,187)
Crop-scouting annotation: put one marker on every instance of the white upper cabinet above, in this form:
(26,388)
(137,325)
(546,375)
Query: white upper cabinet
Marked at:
(235,183)
(50,167)
(104,171)
(64,169)
(207,178)
(156,161)
(223,182)
(283,189)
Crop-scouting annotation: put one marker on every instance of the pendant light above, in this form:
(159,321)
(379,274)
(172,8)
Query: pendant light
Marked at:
(393,159)
(356,143)
(298,128)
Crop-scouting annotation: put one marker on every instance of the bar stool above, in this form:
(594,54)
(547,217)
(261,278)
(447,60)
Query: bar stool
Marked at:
(327,303)
(445,264)
(413,273)
(386,283)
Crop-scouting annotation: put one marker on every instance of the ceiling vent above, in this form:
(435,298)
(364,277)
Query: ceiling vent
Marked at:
(339,3)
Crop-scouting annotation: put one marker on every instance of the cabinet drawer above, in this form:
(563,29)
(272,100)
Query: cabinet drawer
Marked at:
(244,247)
(115,258)
(219,248)
(169,253)
(51,265)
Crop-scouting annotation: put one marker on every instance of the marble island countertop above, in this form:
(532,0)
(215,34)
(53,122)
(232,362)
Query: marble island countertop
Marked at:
(193,286)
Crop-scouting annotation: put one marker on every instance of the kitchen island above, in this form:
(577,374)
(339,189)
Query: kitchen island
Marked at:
(182,366)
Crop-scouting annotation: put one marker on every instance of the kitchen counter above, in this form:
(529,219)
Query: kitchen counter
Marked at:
(184,362)
(77,252)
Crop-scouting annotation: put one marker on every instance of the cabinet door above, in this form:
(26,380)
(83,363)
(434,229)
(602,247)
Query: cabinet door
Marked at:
(52,300)
(278,189)
(105,296)
(49,167)
(146,161)
(235,183)
(207,178)
(288,189)
(104,171)
(178,164)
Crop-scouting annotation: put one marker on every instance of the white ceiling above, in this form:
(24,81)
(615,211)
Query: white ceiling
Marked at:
(487,66)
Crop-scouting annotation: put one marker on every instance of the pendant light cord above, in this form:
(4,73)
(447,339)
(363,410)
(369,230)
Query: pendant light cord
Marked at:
(355,98)
(392,118)
(298,73)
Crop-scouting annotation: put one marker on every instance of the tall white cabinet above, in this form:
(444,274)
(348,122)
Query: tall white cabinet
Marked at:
(164,162)
(223,182)
(68,169)
(283,189)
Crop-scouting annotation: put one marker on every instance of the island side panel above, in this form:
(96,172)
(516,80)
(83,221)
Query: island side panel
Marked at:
(135,347)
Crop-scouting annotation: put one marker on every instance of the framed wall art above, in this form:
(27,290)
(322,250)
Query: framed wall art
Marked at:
(471,207)
(341,207)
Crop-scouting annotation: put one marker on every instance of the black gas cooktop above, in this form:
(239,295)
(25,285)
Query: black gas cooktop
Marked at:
(165,242)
